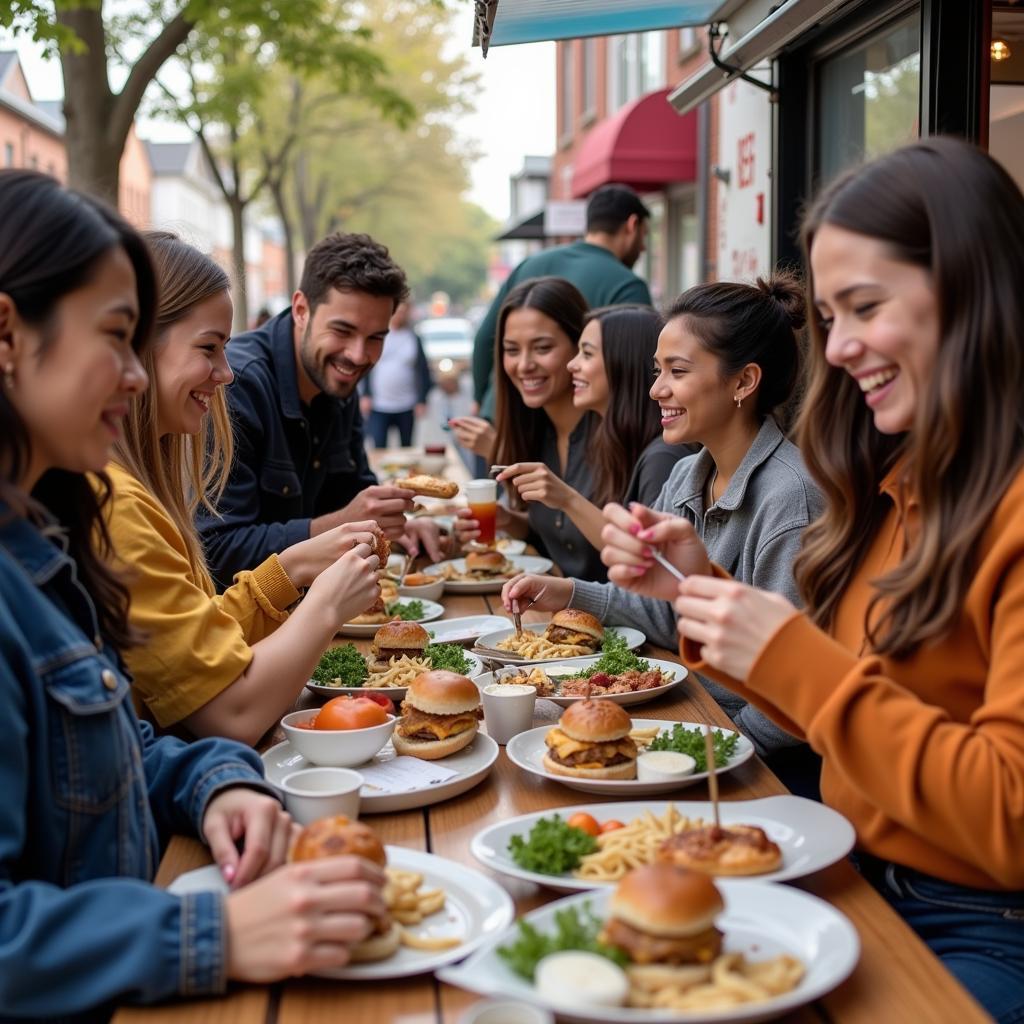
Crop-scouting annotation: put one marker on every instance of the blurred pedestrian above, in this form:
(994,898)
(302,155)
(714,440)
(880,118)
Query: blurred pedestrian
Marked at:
(395,391)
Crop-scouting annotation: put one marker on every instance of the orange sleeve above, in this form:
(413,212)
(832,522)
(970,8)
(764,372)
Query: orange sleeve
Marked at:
(960,785)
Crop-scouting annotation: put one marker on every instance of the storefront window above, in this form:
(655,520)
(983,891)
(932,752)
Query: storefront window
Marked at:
(869,97)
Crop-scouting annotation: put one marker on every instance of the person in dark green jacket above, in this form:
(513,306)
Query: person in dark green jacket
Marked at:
(599,266)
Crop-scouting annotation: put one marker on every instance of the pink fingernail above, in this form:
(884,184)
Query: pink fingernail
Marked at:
(638,570)
(648,553)
(634,528)
(645,534)
(228,871)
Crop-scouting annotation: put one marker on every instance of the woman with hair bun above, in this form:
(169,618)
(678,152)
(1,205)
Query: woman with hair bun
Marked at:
(727,364)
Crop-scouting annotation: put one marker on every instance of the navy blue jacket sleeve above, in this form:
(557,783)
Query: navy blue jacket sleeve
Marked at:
(236,539)
(365,477)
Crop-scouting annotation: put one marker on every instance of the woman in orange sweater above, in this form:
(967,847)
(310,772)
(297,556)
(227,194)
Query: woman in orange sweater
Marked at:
(906,673)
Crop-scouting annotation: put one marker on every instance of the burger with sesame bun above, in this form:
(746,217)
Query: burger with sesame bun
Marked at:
(440,716)
(395,639)
(337,836)
(592,741)
(664,914)
(572,626)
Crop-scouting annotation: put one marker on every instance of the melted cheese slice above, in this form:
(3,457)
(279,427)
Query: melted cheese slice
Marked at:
(564,746)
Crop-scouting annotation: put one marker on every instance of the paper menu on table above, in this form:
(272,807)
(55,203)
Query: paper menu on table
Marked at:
(400,774)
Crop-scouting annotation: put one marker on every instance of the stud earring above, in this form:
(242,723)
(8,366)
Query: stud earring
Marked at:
(9,377)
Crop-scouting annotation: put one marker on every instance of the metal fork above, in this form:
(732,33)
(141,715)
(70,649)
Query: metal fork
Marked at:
(517,616)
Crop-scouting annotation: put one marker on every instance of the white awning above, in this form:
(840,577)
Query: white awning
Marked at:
(763,42)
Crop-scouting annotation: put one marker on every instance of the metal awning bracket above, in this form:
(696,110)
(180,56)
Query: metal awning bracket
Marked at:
(716,30)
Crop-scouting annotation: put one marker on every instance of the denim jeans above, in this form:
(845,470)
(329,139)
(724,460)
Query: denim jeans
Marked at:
(978,934)
(380,423)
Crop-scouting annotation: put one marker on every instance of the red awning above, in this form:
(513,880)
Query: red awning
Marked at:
(646,144)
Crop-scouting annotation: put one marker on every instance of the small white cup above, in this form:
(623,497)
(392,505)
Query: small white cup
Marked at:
(312,793)
(506,1012)
(432,465)
(508,710)
(480,491)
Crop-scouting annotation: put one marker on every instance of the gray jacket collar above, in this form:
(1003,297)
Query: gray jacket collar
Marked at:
(769,437)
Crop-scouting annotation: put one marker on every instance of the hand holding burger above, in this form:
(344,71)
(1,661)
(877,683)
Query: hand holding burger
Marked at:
(305,917)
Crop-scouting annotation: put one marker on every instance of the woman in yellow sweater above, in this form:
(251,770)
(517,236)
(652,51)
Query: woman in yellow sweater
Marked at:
(228,665)
(907,671)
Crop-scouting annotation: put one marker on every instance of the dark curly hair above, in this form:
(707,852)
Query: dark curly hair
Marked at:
(351,262)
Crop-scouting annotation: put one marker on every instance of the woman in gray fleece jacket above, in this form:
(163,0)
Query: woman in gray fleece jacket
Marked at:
(727,358)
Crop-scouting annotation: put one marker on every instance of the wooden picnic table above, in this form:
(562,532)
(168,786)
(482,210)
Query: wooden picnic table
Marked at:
(897,979)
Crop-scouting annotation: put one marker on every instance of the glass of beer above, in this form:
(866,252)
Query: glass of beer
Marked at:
(482,496)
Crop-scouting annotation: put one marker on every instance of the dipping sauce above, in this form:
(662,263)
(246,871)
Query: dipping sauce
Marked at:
(509,689)
(578,977)
(664,766)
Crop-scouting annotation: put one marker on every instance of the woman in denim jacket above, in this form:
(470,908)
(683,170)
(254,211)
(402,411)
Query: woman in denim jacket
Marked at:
(89,793)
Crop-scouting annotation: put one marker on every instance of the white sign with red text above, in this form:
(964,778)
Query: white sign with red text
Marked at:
(744,201)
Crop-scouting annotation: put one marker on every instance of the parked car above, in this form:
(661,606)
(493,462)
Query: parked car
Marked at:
(448,342)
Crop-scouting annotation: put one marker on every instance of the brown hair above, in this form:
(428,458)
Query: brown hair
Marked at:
(183,472)
(945,206)
(352,262)
(51,242)
(520,429)
(760,323)
(629,339)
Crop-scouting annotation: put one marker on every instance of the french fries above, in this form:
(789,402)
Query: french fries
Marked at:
(409,903)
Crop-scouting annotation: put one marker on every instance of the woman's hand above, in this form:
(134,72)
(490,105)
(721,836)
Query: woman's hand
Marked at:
(306,560)
(628,537)
(474,433)
(425,535)
(467,529)
(347,587)
(731,621)
(557,593)
(535,482)
(302,918)
(240,814)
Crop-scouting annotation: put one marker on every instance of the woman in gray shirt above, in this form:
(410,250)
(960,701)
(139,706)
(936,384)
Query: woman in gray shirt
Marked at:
(727,359)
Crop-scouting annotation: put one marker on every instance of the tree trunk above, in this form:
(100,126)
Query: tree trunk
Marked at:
(241,292)
(285,217)
(94,156)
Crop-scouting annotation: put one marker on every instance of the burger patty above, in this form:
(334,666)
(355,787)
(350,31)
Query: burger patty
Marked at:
(397,652)
(561,635)
(613,752)
(642,948)
(421,725)
(710,842)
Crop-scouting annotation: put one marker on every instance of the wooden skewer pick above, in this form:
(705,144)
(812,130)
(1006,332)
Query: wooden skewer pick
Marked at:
(709,749)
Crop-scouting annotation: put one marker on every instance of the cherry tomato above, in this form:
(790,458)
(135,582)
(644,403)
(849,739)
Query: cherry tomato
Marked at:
(384,702)
(585,823)
(611,825)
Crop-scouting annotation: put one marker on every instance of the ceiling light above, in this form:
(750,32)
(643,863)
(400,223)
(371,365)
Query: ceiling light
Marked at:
(1000,50)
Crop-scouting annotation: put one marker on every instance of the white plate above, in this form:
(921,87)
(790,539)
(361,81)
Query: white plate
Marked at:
(473,763)
(570,666)
(431,610)
(633,637)
(396,693)
(760,919)
(476,907)
(528,748)
(522,563)
(465,629)
(510,546)
(810,835)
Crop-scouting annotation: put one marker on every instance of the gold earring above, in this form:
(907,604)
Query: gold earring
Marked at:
(739,401)
(9,376)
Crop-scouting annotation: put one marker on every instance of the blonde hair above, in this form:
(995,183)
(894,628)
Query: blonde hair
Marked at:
(183,472)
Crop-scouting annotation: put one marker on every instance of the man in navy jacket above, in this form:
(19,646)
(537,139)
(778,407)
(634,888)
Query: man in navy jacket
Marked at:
(299,467)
